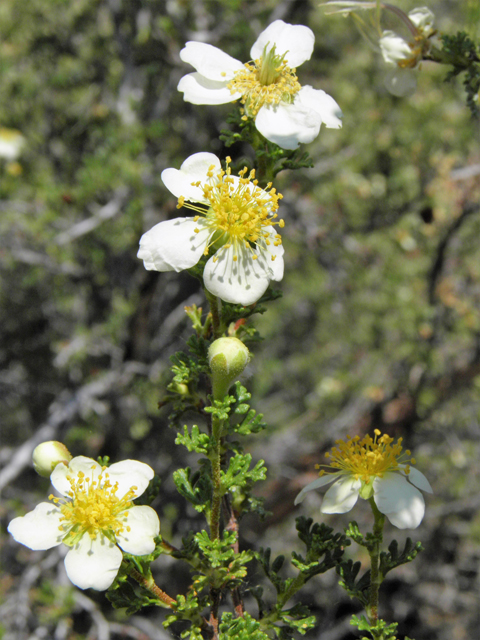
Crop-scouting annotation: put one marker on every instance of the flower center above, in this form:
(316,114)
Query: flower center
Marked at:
(268,80)
(239,211)
(93,507)
(369,457)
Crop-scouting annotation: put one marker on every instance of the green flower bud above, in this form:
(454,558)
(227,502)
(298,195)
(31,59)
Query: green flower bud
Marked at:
(47,455)
(227,357)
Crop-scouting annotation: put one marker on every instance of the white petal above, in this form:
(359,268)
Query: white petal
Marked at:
(341,496)
(400,501)
(144,527)
(93,563)
(417,478)
(296,41)
(394,48)
(321,103)
(243,281)
(400,82)
(288,124)
(87,466)
(315,484)
(193,169)
(39,529)
(200,90)
(210,62)
(276,265)
(173,245)
(422,17)
(129,473)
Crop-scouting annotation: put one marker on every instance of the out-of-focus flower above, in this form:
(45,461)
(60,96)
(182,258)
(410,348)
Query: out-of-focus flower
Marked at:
(11,143)
(406,55)
(235,224)
(373,468)
(285,112)
(94,517)
(47,455)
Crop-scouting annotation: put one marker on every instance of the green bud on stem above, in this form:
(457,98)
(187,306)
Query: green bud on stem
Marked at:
(227,358)
(47,455)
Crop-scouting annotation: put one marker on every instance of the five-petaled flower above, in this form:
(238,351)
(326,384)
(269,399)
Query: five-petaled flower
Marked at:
(407,55)
(285,112)
(94,517)
(235,224)
(373,468)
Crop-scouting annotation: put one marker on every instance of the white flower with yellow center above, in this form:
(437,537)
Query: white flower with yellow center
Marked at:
(285,112)
(94,518)
(11,143)
(234,224)
(407,55)
(373,468)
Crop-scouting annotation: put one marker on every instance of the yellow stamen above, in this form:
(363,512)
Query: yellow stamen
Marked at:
(239,213)
(268,80)
(368,458)
(94,508)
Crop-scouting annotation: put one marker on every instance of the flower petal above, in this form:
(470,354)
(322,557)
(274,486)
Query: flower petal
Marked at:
(200,90)
(394,48)
(87,466)
(321,103)
(210,62)
(93,563)
(315,484)
(144,525)
(342,495)
(276,252)
(400,82)
(39,529)
(400,501)
(296,41)
(129,473)
(173,245)
(422,17)
(241,281)
(193,169)
(288,124)
(417,478)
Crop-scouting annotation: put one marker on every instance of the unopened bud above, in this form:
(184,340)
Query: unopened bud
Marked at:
(47,455)
(227,357)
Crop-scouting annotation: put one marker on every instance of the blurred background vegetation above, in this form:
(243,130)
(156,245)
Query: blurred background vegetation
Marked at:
(378,326)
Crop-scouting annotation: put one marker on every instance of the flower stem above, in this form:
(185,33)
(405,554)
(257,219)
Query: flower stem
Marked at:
(215,307)
(150,585)
(375,576)
(215,458)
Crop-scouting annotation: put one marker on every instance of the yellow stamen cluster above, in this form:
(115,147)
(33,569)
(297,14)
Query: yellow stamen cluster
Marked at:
(368,458)
(419,46)
(93,508)
(239,210)
(268,80)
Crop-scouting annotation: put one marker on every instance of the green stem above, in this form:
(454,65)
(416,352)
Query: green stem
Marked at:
(215,308)
(375,576)
(215,459)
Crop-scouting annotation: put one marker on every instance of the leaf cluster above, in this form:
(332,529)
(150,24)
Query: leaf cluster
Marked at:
(463,54)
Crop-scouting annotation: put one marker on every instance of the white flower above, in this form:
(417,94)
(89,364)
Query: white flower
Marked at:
(235,222)
(94,518)
(285,112)
(373,468)
(11,143)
